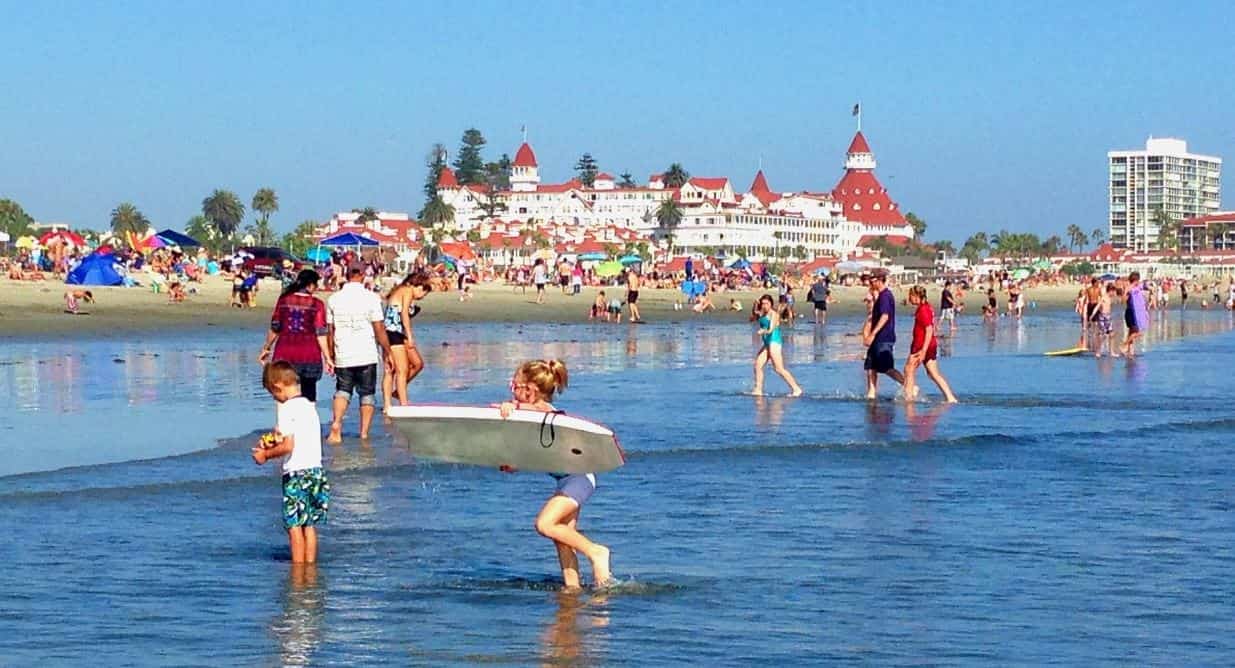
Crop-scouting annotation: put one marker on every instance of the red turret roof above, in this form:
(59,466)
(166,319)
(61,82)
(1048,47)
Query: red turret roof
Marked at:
(447,179)
(859,145)
(604,176)
(864,199)
(524,156)
(706,183)
(759,188)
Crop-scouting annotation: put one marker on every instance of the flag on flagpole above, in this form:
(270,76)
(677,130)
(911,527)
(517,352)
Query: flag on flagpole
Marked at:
(857,109)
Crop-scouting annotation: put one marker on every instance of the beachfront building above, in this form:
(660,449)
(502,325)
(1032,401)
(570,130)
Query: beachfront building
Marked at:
(716,218)
(1212,232)
(1164,177)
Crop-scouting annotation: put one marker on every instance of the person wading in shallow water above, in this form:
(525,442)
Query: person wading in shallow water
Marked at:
(879,336)
(354,316)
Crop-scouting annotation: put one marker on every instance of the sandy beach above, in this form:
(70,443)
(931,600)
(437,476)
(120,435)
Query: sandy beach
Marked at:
(37,309)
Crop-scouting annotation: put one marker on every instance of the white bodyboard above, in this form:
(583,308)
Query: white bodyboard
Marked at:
(527,440)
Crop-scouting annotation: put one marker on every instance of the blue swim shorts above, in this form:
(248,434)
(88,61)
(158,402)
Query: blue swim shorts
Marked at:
(306,497)
(577,487)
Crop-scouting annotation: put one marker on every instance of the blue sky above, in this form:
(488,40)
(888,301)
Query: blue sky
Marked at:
(982,115)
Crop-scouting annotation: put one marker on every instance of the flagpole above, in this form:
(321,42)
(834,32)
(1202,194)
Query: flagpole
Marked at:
(859,116)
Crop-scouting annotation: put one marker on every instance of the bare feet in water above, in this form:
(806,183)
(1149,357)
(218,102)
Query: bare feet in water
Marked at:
(600,565)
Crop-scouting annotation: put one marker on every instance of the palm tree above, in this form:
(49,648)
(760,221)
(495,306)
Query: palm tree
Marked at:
(126,219)
(675,176)
(800,252)
(669,214)
(1074,236)
(265,202)
(224,211)
(366,214)
(778,235)
(1097,236)
(1168,229)
(438,213)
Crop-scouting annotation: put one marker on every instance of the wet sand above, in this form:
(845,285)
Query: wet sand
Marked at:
(37,309)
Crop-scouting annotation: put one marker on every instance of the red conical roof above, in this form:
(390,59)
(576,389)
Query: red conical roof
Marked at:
(859,145)
(524,156)
(447,179)
(760,184)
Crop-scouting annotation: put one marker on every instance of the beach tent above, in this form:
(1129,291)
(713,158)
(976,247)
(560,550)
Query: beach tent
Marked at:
(592,257)
(347,239)
(630,259)
(740,263)
(174,238)
(95,269)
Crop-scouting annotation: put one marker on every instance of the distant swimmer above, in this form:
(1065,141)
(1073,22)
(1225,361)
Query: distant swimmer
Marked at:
(769,331)
(532,386)
(947,306)
(632,294)
(924,351)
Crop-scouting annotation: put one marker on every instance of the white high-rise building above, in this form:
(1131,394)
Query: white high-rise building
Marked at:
(1163,176)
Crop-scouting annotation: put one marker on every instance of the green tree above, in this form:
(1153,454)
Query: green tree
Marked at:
(611,249)
(265,203)
(800,252)
(473,235)
(669,215)
(224,211)
(1097,236)
(497,174)
(1083,268)
(918,225)
(126,219)
(946,246)
(1168,229)
(627,181)
(1074,235)
(675,176)
(14,220)
(643,250)
(435,161)
(300,240)
(1052,245)
(469,164)
(587,170)
(199,228)
(492,204)
(437,213)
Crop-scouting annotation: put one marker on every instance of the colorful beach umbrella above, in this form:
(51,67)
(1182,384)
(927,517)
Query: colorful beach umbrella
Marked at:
(1020,274)
(174,238)
(154,242)
(630,259)
(27,242)
(63,235)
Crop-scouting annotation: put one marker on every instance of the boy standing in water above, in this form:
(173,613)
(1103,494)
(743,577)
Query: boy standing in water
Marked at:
(297,436)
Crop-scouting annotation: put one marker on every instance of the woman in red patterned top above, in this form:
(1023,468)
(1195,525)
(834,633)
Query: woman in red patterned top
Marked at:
(298,333)
(925,350)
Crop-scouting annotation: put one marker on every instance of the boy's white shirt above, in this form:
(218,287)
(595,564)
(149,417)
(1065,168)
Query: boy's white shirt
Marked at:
(298,418)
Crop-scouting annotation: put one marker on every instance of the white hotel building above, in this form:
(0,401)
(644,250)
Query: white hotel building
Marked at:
(757,223)
(1163,176)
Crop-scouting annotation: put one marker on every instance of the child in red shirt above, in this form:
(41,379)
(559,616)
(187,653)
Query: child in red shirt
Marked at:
(925,350)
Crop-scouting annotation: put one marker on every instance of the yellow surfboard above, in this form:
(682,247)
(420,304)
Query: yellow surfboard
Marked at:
(1067,351)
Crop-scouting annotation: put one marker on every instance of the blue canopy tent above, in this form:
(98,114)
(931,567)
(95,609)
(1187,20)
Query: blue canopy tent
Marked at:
(592,257)
(740,263)
(628,260)
(347,239)
(174,238)
(95,269)
(318,254)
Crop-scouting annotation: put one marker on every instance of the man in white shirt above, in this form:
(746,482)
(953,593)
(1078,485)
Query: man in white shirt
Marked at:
(354,316)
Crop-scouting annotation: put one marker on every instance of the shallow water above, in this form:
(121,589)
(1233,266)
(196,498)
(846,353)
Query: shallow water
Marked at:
(1068,510)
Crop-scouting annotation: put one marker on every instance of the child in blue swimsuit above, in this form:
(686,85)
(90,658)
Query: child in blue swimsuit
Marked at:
(532,387)
(769,330)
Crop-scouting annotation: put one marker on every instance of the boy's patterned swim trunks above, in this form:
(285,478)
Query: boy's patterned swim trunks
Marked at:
(306,497)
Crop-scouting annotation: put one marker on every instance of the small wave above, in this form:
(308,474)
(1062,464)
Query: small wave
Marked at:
(756,450)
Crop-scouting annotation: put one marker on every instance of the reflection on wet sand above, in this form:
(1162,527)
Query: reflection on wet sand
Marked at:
(299,627)
(922,423)
(769,411)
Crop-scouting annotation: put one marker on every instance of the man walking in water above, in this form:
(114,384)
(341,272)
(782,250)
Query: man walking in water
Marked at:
(354,316)
(879,335)
(632,294)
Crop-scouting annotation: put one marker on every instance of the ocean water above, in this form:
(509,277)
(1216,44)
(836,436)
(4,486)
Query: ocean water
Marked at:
(1069,510)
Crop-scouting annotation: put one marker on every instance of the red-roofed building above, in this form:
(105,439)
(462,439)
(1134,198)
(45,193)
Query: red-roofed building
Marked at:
(1213,232)
(863,197)
(524,157)
(447,179)
(759,188)
(524,173)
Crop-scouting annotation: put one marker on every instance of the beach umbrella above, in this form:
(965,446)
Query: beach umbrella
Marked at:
(1043,265)
(592,257)
(318,254)
(630,259)
(1020,274)
(740,263)
(27,242)
(174,238)
(610,268)
(64,235)
(1108,277)
(154,242)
